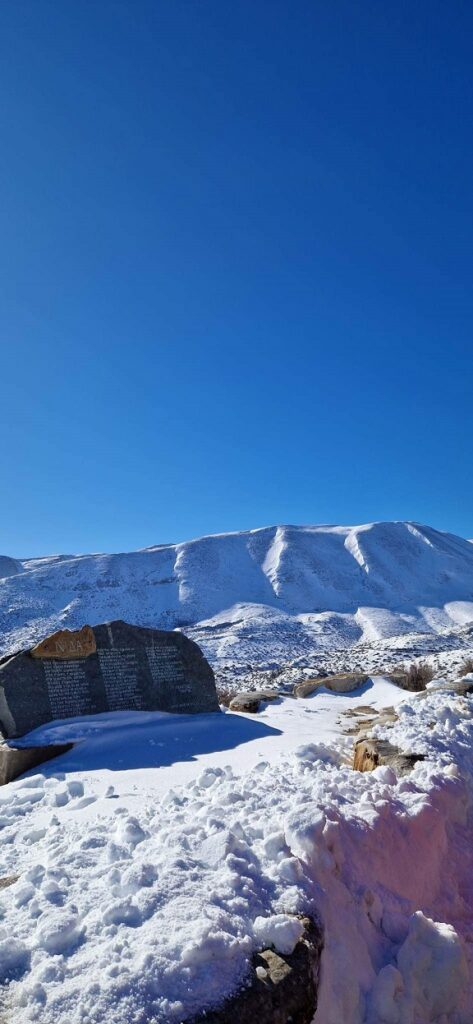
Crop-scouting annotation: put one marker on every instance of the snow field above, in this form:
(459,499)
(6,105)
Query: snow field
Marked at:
(146,908)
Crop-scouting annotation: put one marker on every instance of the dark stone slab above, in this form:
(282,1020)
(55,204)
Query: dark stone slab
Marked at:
(14,761)
(131,668)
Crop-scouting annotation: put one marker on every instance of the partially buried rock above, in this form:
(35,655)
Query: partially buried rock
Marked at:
(110,667)
(250,701)
(282,987)
(14,761)
(370,753)
(343,682)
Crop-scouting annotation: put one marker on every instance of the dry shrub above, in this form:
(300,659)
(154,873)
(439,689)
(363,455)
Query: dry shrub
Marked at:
(224,695)
(418,675)
(466,668)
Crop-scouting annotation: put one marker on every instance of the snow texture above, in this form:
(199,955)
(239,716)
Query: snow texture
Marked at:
(139,903)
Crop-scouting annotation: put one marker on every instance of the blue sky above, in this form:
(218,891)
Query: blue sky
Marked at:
(236,268)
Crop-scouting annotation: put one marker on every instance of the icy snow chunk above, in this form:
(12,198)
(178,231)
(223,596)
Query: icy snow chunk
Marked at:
(34,835)
(23,894)
(61,796)
(217,847)
(14,957)
(290,869)
(129,831)
(304,834)
(280,931)
(208,777)
(384,774)
(59,932)
(274,845)
(433,967)
(316,752)
(123,912)
(75,787)
(386,993)
(437,683)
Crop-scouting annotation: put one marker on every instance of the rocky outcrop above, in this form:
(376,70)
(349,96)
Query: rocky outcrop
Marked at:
(282,988)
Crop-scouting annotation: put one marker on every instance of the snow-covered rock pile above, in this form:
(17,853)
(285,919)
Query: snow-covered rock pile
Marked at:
(127,919)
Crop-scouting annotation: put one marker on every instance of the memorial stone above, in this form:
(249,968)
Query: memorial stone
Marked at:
(110,667)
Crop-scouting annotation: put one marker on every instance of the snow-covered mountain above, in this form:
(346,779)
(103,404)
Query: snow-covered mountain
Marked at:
(263,597)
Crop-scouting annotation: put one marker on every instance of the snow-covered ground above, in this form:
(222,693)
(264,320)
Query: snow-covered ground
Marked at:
(160,852)
(178,748)
(154,858)
(263,599)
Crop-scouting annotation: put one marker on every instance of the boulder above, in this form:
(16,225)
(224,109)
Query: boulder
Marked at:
(14,761)
(343,682)
(370,753)
(110,667)
(249,702)
(281,988)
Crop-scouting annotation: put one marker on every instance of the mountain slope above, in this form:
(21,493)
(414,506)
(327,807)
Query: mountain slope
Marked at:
(260,596)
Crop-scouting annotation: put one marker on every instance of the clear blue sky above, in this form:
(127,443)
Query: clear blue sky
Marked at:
(236,267)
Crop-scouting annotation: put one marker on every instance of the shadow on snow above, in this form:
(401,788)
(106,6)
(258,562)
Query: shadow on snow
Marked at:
(138,740)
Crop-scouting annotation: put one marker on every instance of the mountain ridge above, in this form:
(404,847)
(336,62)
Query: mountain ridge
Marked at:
(313,585)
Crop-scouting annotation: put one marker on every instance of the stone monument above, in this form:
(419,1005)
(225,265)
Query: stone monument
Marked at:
(110,667)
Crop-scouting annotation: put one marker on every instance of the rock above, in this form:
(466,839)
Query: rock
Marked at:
(14,761)
(343,682)
(363,725)
(8,880)
(282,988)
(370,753)
(111,667)
(307,686)
(460,688)
(249,701)
(360,710)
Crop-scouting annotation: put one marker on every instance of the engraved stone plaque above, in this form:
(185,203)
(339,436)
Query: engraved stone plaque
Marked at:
(110,667)
(67,644)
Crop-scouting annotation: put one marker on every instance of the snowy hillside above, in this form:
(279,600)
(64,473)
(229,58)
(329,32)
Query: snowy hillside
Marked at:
(145,867)
(260,597)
